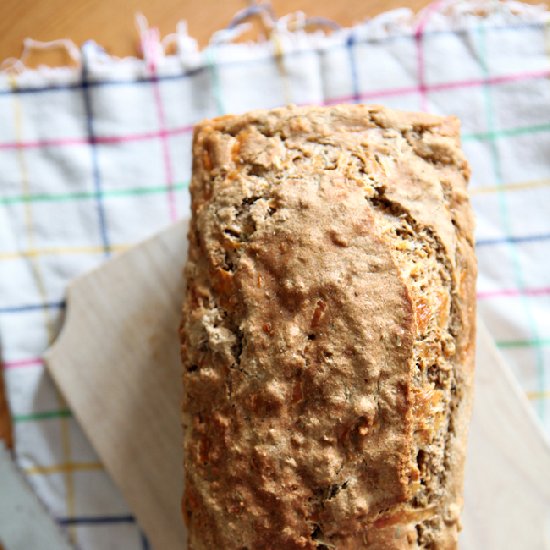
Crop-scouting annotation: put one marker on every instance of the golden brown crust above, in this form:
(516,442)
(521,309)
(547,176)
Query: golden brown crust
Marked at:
(328,330)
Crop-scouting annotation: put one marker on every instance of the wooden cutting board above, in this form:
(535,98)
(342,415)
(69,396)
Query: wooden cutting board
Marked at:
(117,362)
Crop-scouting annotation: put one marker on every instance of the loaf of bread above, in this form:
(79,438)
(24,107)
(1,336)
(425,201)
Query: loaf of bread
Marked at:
(328,331)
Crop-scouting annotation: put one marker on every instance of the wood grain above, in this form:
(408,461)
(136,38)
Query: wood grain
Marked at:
(117,362)
(111,22)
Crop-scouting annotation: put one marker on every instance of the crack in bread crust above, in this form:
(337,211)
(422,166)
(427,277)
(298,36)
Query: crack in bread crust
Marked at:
(327,335)
(427,272)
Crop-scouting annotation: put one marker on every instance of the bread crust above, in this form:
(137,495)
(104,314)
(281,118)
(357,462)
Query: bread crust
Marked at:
(328,330)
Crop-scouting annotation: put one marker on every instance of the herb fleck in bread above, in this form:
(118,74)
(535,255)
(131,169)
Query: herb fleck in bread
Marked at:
(328,331)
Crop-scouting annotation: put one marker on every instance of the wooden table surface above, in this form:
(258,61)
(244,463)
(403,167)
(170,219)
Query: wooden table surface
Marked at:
(111,22)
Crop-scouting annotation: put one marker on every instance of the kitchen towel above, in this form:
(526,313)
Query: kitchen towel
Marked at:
(97,157)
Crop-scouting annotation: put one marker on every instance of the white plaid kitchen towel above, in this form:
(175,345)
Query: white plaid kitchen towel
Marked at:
(95,158)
